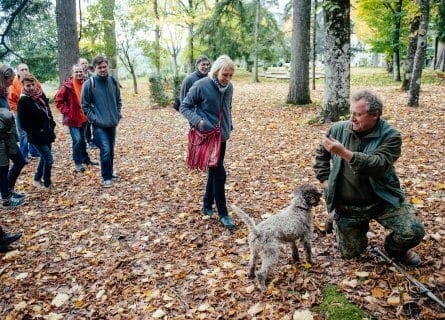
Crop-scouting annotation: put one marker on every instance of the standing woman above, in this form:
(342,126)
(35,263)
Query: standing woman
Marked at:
(37,121)
(8,145)
(201,107)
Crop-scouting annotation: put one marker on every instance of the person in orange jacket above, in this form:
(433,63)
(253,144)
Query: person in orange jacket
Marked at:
(14,94)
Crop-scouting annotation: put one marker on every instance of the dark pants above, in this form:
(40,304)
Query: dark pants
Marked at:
(8,176)
(79,145)
(351,228)
(215,188)
(45,164)
(105,139)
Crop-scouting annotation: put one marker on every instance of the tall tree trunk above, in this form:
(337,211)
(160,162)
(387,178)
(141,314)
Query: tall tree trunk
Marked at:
(439,63)
(337,61)
(191,28)
(256,42)
(314,42)
(397,14)
(67,38)
(411,51)
(110,35)
(299,92)
(419,58)
(157,55)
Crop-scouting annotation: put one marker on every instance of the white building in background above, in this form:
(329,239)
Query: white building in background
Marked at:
(361,56)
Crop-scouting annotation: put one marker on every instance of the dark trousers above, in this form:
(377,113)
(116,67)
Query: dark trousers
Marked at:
(105,139)
(8,176)
(45,165)
(215,188)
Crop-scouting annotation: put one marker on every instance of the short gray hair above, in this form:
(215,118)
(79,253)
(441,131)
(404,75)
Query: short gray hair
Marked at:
(222,62)
(201,58)
(373,102)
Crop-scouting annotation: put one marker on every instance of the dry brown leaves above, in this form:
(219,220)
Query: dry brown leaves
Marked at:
(142,250)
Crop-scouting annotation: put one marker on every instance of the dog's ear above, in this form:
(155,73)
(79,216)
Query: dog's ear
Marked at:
(309,194)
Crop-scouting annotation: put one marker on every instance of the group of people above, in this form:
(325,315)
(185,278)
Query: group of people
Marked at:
(354,162)
(94,101)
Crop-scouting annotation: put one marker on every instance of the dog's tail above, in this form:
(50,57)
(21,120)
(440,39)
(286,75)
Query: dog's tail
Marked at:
(246,219)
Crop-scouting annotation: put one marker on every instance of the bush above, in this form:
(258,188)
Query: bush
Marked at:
(157,90)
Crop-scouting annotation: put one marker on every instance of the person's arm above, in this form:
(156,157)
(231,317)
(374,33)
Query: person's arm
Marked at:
(87,100)
(60,101)
(322,165)
(187,109)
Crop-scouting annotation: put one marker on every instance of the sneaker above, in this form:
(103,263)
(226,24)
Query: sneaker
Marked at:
(409,259)
(6,239)
(107,184)
(13,202)
(17,195)
(207,212)
(227,222)
(115,177)
(91,163)
(92,145)
(37,183)
(79,168)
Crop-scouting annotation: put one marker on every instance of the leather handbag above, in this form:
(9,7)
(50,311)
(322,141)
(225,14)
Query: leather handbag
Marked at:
(204,147)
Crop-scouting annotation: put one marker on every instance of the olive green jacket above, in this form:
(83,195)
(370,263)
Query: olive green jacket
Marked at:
(375,158)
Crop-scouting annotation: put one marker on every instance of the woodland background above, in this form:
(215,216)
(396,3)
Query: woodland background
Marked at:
(142,250)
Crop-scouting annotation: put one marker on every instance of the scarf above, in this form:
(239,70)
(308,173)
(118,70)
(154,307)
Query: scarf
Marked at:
(219,86)
(36,95)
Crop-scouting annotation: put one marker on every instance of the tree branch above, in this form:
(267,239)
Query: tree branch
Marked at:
(9,27)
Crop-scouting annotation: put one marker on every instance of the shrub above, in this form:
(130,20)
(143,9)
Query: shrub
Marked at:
(157,90)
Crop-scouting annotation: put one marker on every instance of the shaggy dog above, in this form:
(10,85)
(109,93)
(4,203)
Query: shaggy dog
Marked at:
(287,226)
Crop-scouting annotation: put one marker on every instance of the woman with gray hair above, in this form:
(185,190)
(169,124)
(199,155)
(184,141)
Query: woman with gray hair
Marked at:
(9,149)
(207,99)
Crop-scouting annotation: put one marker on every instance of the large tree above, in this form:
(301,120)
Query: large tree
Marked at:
(419,58)
(28,34)
(439,45)
(68,42)
(299,76)
(337,59)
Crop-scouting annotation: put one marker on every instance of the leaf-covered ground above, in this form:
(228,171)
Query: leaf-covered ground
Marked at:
(142,250)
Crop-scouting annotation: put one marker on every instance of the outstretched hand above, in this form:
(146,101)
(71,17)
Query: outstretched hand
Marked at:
(334,146)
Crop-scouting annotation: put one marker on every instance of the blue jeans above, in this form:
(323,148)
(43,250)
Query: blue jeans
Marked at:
(79,145)
(215,188)
(25,147)
(8,176)
(45,164)
(105,139)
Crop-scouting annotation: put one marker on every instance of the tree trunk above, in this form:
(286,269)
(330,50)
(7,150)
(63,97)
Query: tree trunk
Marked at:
(191,41)
(67,38)
(110,35)
(135,81)
(157,55)
(314,42)
(299,76)
(419,58)
(337,61)
(440,56)
(397,14)
(256,44)
(411,51)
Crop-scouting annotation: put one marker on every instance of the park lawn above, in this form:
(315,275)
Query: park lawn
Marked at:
(142,249)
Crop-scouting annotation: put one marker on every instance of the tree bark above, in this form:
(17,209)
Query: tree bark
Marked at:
(440,56)
(314,42)
(411,51)
(419,58)
(256,42)
(157,55)
(299,92)
(397,16)
(67,38)
(337,64)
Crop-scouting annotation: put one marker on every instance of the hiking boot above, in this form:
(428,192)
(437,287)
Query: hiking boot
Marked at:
(13,202)
(17,195)
(6,239)
(107,184)
(227,222)
(79,168)
(207,212)
(409,259)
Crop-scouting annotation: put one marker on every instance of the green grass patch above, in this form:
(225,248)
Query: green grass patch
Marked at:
(336,306)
